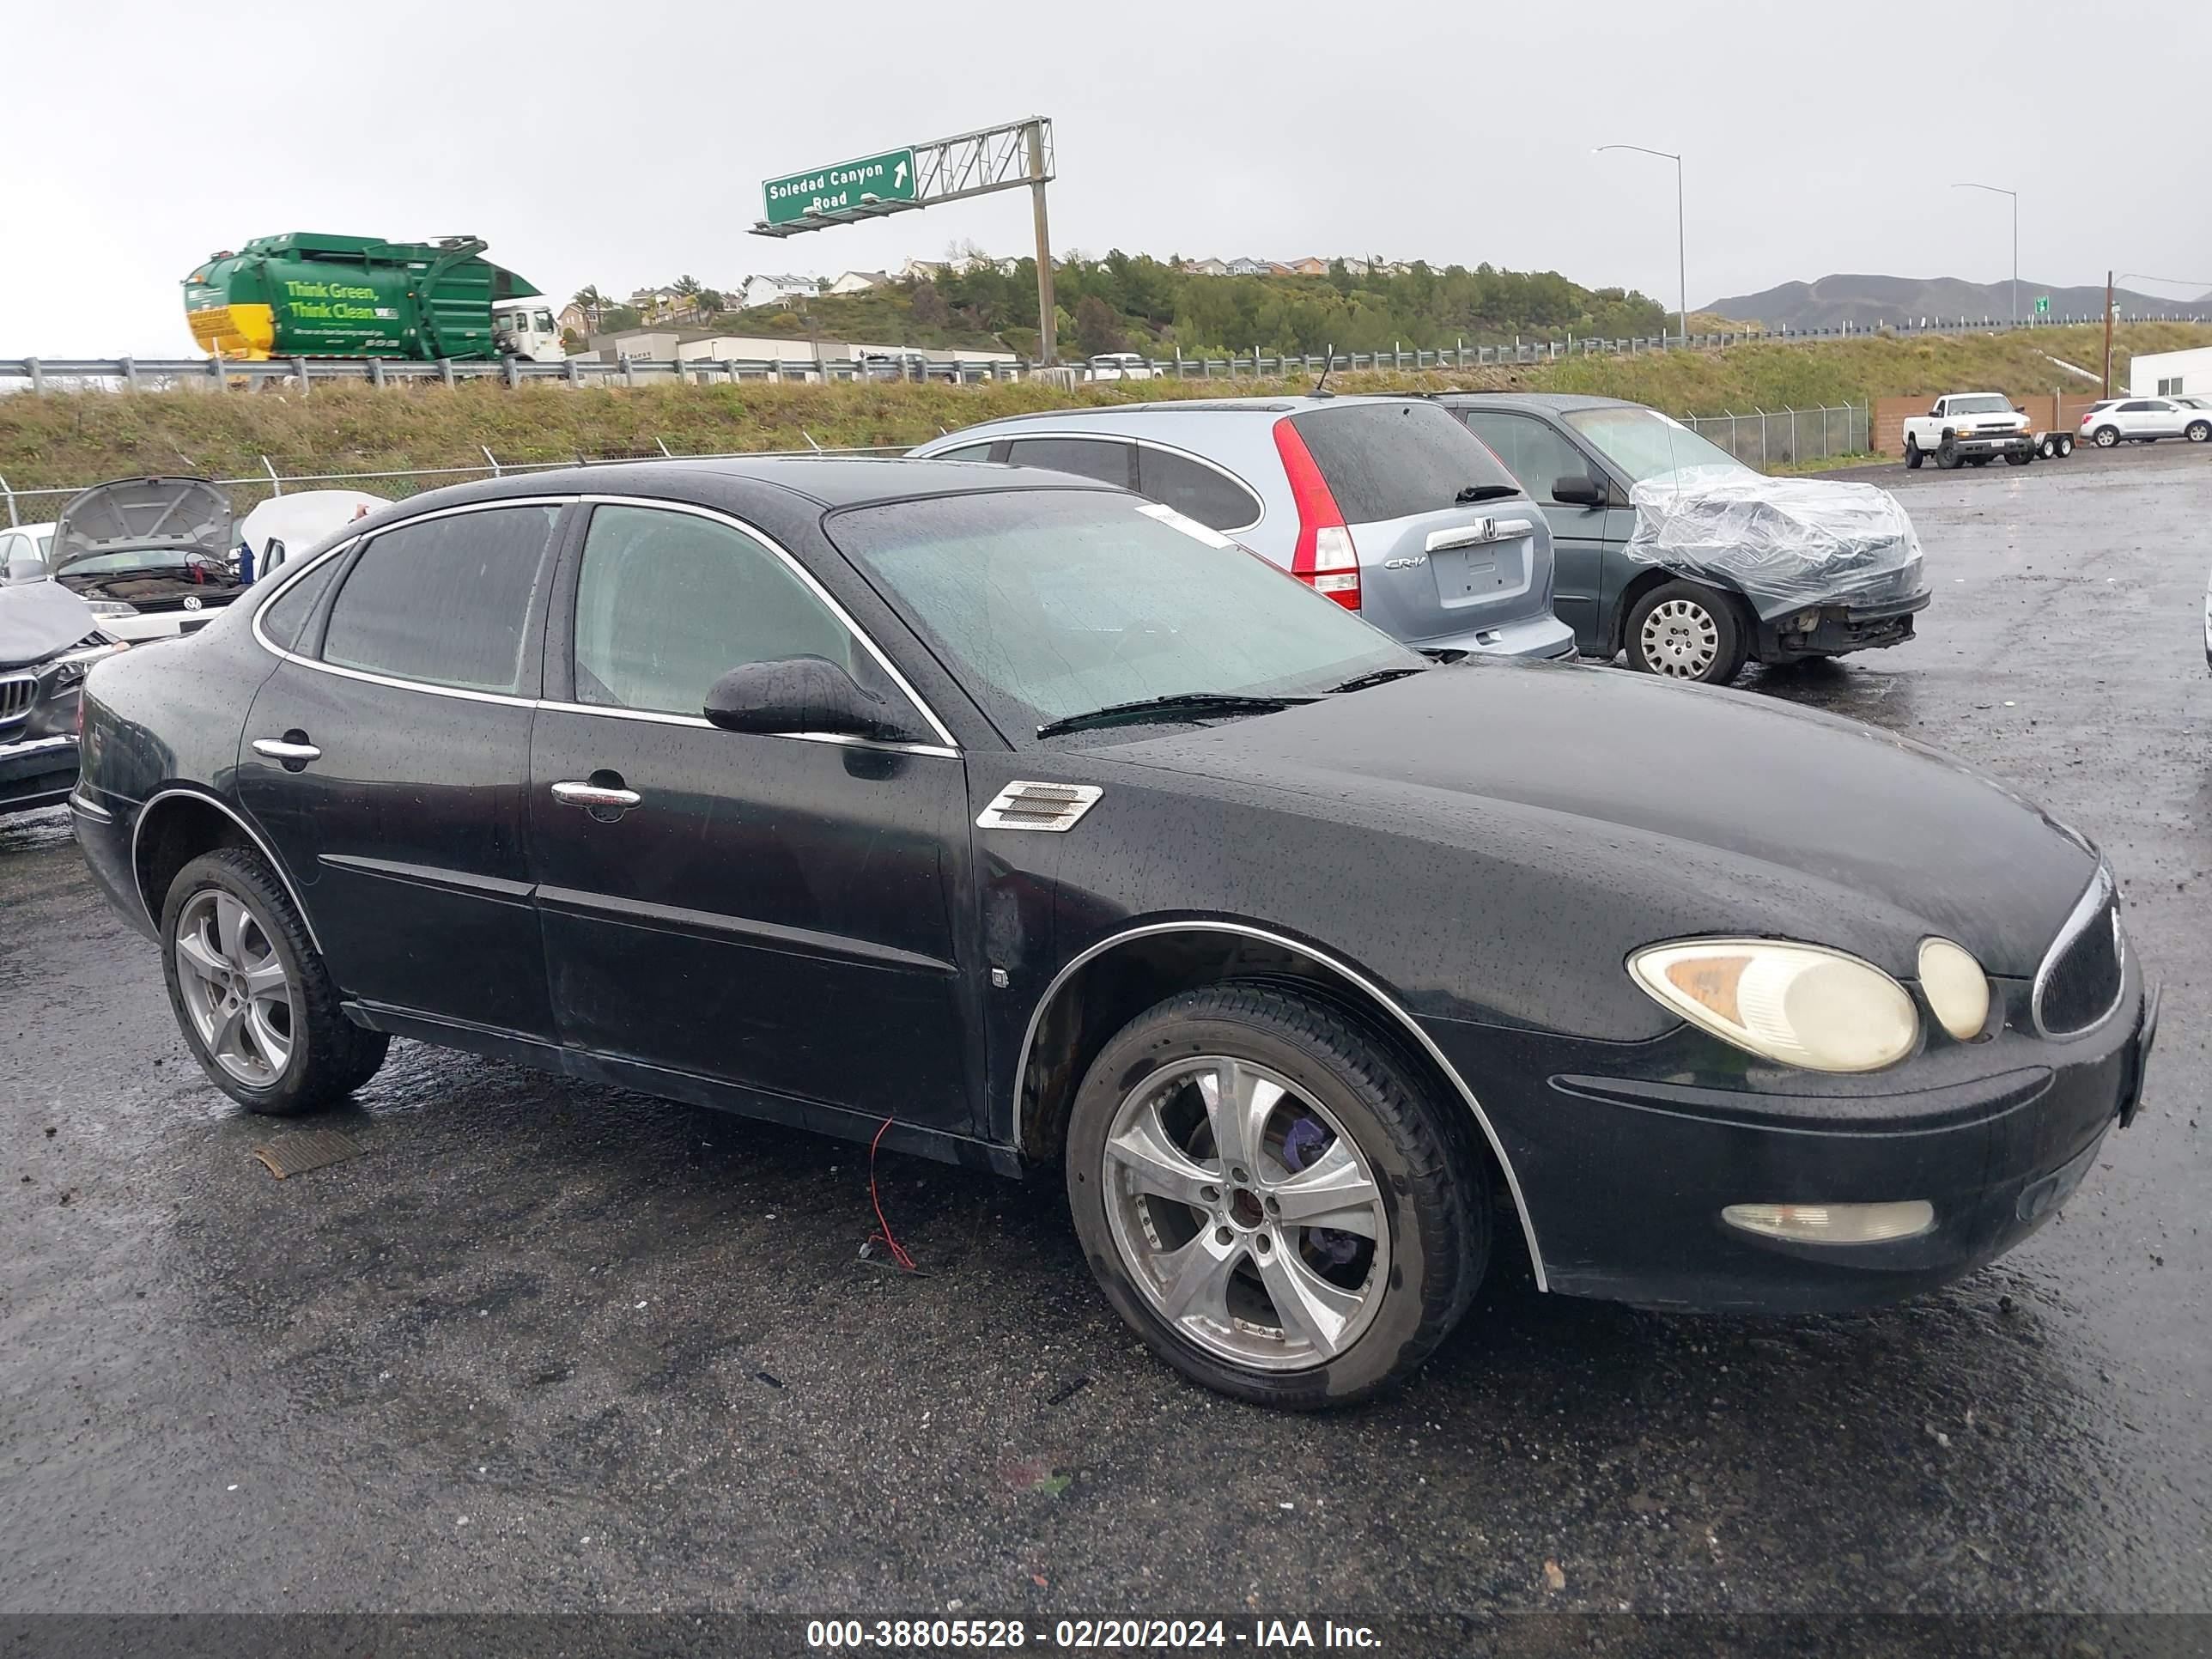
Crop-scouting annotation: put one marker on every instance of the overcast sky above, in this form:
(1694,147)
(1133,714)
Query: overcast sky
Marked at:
(624,144)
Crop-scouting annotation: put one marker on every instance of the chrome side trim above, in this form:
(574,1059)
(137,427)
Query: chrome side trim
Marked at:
(2102,890)
(607,712)
(1374,993)
(138,829)
(91,809)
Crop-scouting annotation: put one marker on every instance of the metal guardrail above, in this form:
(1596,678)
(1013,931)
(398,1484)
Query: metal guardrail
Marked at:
(71,373)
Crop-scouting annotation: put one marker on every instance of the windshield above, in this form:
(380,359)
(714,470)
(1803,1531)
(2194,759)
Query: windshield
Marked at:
(1644,444)
(1991,405)
(143,558)
(1053,603)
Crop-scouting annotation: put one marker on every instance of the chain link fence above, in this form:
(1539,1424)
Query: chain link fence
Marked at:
(1768,438)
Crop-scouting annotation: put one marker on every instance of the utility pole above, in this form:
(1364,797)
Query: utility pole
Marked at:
(1048,340)
(2108,334)
(1681,254)
(1999,189)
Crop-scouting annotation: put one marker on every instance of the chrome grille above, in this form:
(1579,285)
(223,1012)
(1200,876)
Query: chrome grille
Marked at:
(2080,981)
(17,693)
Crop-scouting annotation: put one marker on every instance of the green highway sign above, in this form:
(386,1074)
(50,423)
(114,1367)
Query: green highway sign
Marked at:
(840,189)
(2043,305)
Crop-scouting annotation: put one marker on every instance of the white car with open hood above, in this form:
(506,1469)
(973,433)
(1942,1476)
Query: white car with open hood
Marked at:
(151,556)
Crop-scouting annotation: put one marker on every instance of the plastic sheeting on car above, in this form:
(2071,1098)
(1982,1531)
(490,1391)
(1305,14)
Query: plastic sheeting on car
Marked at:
(1785,543)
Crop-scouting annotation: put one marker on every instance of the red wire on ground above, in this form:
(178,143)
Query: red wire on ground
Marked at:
(884,1228)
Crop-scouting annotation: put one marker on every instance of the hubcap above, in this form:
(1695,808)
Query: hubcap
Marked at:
(1247,1217)
(1681,639)
(235,987)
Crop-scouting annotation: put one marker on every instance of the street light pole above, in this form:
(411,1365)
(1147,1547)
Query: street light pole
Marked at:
(1681,254)
(1999,189)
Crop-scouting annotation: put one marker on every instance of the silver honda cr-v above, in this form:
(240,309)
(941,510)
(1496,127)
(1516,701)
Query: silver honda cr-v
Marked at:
(1387,505)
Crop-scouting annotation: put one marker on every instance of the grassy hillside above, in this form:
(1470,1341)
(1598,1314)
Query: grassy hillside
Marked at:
(72,439)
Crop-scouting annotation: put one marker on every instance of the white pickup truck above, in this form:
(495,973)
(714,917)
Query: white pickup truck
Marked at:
(1970,428)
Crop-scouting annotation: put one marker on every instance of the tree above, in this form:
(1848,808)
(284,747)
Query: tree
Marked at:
(709,300)
(1098,330)
(589,301)
(686,287)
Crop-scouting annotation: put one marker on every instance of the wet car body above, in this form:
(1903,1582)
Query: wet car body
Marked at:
(49,640)
(1461,857)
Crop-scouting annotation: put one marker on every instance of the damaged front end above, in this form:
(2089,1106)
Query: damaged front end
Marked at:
(49,640)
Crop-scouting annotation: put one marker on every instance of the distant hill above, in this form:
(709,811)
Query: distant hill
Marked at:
(1868,301)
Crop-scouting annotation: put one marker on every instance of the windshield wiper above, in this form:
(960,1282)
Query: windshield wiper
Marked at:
(1376,676)
(1197,705)
(1485,493)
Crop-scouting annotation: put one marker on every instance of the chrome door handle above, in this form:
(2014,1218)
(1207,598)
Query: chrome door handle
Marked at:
(298,754)
(592,794)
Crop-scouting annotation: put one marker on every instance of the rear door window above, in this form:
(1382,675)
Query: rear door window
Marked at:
(1196,489)
(445,602)
(1531,451)
(1106,459)
(1386,461)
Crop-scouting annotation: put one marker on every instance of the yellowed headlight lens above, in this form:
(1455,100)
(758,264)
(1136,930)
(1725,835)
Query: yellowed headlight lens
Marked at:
(1802,1005)
(1957,989)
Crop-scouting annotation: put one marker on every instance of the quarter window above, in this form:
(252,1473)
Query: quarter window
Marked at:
(1091,457)
(965,452)
(286,617)
(1198,492)
(668,603)
(446,602)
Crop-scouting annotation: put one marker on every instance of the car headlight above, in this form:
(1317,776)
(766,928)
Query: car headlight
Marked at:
(1957,989)
(1804,1004)
(112,608)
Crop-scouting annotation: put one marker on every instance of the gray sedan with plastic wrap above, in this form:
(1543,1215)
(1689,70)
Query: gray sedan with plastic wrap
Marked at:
(1667,547)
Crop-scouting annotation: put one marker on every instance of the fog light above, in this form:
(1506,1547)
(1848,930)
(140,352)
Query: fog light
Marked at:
(1805,621)
(1957,989)
(1834,1224)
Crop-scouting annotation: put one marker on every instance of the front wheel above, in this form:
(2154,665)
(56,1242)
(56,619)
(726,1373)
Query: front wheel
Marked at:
(256,1005)
(2018,457)
(2106,437)
(1948,457)
(2200,432)
(1270,1198)
(1686,632)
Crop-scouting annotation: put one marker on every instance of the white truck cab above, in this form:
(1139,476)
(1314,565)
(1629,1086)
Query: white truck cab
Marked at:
(526,329)
(1970,429)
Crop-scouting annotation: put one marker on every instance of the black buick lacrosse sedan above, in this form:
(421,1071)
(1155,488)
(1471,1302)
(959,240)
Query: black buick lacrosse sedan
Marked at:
(1059,832)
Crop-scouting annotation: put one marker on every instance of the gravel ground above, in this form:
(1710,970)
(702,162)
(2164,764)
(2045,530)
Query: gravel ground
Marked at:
(548,1347)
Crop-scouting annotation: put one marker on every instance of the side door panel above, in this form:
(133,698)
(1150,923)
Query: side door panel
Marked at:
(786,914)
(403,828)
(1581,536)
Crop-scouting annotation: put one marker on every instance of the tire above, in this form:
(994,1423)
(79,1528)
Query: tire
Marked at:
(2199,432)
(2048,449)
(2104,437)
(2066,446)
(1948,456)
(279,1054)
(1913,455)
(1686,631)
(2018,457)
(1385,1298)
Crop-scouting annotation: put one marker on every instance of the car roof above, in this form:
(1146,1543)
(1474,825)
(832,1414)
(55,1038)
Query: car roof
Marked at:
(828,481)
(1556,401)
(1284,405)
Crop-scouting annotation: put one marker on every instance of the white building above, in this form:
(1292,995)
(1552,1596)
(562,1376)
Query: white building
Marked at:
(1249,267)
(766,289)
(2171,374)
(858,281)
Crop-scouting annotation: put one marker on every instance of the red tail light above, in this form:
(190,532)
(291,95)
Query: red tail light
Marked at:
(1324,559)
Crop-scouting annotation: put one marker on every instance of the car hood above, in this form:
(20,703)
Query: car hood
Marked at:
(1870,818)
(180,515)
(39,620)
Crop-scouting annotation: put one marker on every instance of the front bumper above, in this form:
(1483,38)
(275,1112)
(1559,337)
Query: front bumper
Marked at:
(37,772)
(1841,629)
(1995,443)
(1625,1167)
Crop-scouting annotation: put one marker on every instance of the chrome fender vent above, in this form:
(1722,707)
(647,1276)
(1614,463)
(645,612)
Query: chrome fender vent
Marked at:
(1055,807)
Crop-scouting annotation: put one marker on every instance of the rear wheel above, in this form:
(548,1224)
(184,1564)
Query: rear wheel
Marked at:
(1686,632)
(2066,445)
(2048,447)
(249,991)
(1270,1200)
(2106,437)
(1913,455)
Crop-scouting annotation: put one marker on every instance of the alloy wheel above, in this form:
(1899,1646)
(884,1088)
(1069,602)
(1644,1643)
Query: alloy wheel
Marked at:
(1245,1214)
(1681,639)
(235,987)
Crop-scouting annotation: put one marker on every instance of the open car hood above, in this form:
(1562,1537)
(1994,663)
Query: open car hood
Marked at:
(39,620)
(183,515)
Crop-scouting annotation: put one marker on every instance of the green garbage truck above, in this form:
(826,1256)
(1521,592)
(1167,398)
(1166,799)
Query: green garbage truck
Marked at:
(309,296)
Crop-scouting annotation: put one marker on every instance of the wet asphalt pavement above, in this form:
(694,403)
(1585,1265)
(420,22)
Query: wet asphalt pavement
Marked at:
(542,1346)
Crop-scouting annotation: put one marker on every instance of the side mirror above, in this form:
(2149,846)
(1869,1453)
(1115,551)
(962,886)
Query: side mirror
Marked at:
(800,694)
(1582,491)
(1936,413)
(271,556)
(23,570)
